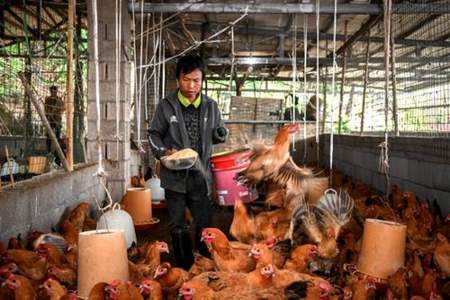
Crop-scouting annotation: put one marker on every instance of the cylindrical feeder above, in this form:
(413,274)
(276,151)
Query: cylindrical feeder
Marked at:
(138,203)
(383,248)
(102,257)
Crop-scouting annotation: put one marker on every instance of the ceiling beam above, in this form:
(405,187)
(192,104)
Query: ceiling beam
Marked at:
(322,60)
(286,8)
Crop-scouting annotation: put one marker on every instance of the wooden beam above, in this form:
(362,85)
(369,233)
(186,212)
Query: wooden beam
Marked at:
(21,21)
(69,84)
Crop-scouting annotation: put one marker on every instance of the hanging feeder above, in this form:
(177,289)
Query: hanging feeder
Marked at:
(383,248)
(102,257)
(138,203)
(117,218)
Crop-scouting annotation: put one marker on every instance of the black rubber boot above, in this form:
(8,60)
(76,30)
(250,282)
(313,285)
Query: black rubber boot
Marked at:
(182,249)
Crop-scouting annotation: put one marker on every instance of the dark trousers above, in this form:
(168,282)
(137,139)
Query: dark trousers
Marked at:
(57,131)
(197,200)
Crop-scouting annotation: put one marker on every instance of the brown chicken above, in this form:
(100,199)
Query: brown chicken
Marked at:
(153,254)
(243,228)
(231,257)
(196,290)
(396,198)
(322,224)
(138,181)
(284,278)
(267,161)
(70,233)
(275,195)
(397,285)
(30,264)
(22,287)
(78,215)
(54,256)
(72,256)
(15,242)
(300,258)
(201,264)
(258,278)
(170,278)
(54,289)
(262,254)
(151,289)
(123,290)
(442,254)
(363,289)
(100,291)
(65,275)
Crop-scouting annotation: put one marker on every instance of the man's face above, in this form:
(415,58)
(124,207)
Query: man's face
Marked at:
(54,92)
(190,84)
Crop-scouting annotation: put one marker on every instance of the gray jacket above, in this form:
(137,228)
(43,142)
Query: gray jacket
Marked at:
(167,131)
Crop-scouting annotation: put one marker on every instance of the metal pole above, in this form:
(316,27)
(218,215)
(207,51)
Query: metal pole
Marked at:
(344,68)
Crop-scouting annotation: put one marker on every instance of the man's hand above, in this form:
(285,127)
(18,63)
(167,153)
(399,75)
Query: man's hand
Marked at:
(170,152)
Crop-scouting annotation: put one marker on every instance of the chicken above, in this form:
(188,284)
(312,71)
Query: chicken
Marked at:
(66,276)
(72,256)
(54,256)
(300,257)
(262,254)
(396,198)
(266,161)
(397,285)
(227,256)
(70,233)
(123,290)
(415,272)
(77,216)
(8,268)
(261,277)
(284,278)
(429,283)
(151,289)
(321,224)
(22,287)
(243,228)
(363,289)
(201,264)
(37,238)
(30,264)
(275,195)
(196,290)
(170,278)
(54,289)
(15,242)
(153,254)
(89,224)
(442,254)
(99,291)
(138,181)
(273,224)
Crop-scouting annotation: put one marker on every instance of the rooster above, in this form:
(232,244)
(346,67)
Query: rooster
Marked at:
(266,161)
(321,224)
(231,257)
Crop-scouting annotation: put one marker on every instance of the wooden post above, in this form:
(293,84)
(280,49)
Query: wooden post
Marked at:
(11,176)
(394,82)
(69,84)
(366,80)
(344,68)
(41,113)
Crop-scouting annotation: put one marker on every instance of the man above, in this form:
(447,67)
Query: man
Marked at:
(187,119)
(54,107)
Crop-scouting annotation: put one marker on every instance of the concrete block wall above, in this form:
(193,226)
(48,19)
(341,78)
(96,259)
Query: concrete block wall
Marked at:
(41,202)
(118,168)
(421,164)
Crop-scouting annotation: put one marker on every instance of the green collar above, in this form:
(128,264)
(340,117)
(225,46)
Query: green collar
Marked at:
(185,101)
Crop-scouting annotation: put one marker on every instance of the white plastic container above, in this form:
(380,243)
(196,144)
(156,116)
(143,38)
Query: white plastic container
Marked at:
(155,188)
(117,218)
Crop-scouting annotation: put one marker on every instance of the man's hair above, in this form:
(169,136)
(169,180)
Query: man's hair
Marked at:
(53,88)
(189,63)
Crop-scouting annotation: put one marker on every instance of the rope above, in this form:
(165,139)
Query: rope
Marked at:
(317,70)
(139,96)
(305,82)
(100,169)
(294,77)
(333,92)
(232,61)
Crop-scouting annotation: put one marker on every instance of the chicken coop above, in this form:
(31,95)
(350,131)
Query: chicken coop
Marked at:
(225,149)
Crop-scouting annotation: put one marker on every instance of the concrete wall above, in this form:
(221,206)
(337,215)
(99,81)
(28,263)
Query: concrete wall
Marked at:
(39,203)
(421,165)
